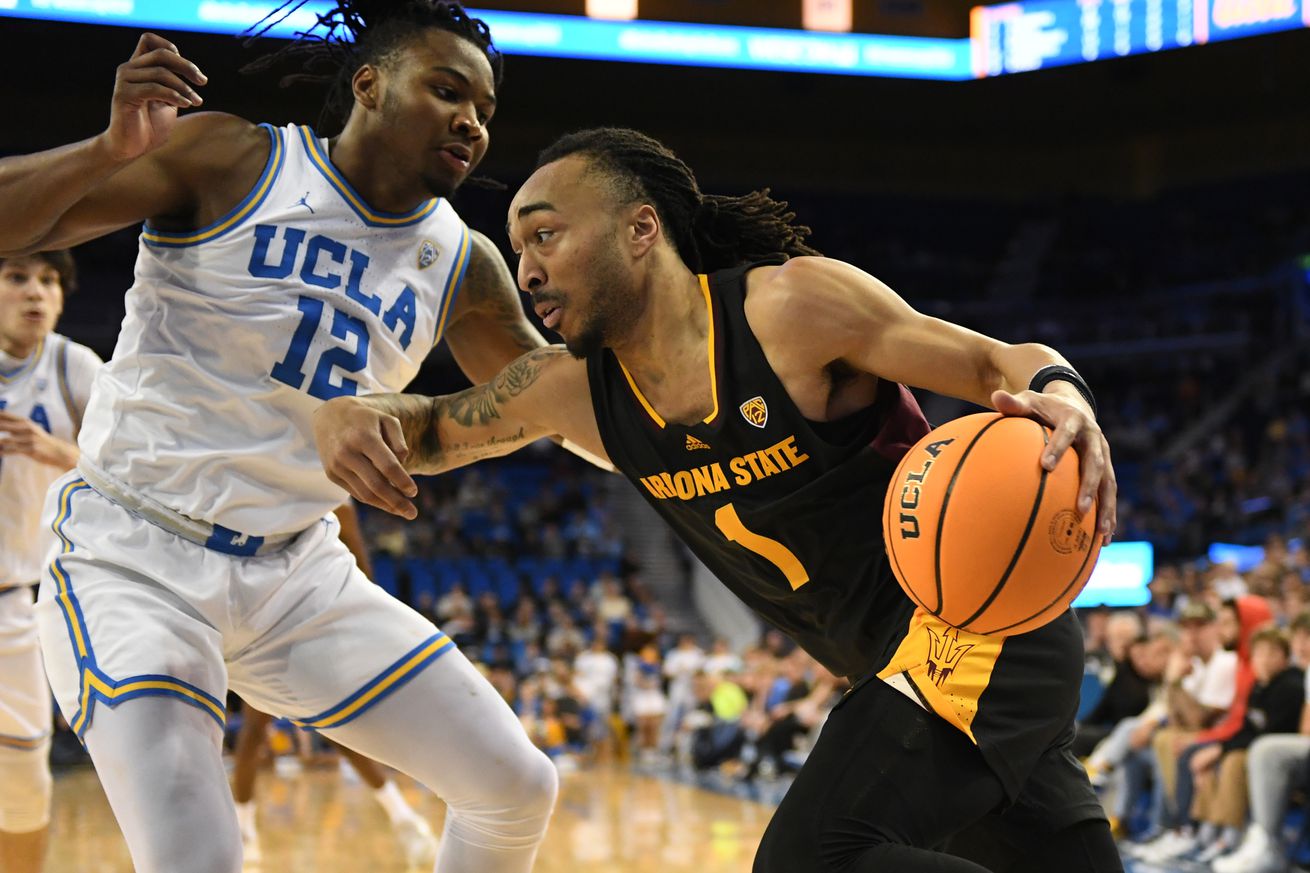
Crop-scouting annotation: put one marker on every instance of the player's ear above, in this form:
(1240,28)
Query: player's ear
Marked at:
(366,86)
(643,229)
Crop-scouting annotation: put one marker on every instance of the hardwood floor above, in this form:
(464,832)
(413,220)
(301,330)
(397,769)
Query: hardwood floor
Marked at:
(608,820)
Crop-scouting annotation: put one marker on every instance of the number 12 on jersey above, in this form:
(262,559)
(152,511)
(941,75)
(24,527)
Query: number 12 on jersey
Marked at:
(727,521)
(291,369)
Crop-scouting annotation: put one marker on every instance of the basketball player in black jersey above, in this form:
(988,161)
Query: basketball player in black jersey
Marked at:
(754,394)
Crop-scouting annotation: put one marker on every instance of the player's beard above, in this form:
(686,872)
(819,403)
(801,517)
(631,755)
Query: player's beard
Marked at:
(614,306)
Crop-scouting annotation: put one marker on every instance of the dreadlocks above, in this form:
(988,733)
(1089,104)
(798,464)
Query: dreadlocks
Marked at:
(358,32)
(710,231)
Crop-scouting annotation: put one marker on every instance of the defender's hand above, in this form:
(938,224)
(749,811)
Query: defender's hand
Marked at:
(148,91)
(362,450)
(1073,425)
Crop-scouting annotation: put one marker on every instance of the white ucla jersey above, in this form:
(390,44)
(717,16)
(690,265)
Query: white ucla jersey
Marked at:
(235,333)
(51,388)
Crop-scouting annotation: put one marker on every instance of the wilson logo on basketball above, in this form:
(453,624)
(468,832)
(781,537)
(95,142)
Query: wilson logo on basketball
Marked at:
(693,443)
(427,254)
(1067,535)
(755,411)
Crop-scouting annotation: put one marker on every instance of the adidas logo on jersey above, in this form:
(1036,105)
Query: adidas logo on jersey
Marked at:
(693,443)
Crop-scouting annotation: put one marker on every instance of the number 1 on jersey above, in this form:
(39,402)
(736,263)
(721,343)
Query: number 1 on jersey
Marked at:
(727,520)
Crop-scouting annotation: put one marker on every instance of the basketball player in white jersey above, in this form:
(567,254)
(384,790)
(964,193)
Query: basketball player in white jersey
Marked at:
(45,380)
(196,548)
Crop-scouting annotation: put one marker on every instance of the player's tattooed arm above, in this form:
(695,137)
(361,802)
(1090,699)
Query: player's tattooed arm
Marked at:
(371,445)
(488,328)
(471,425)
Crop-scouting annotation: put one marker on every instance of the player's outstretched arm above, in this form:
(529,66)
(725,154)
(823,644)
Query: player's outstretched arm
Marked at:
(370,445)
(147,163)
(854,319)
(488,328)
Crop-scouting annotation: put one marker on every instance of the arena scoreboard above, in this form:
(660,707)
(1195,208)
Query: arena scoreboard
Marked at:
(1034,35)
(1008,38)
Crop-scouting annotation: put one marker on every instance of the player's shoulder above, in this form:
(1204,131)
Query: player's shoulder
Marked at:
(215,142)
(803,278)
(815,289)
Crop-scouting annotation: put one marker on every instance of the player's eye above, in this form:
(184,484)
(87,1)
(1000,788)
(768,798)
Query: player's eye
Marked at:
(542,236)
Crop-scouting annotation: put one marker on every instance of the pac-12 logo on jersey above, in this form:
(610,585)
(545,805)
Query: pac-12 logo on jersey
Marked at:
(755,411)
(427,254)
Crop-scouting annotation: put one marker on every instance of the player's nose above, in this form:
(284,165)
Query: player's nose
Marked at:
(531,275)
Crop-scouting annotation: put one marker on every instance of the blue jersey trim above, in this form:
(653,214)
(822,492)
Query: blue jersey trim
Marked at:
(94,686)
(370,216)
(379,687)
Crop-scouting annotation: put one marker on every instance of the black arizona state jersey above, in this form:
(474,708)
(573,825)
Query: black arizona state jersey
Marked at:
(787,513)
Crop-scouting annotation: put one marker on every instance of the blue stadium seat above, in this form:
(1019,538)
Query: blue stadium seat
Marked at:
(384,574)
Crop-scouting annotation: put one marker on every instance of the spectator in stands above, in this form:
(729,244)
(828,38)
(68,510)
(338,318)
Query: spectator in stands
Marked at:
(1219,769)
(596,674)
(646,695)
(563,640)
(681,664)
(1095,624)
(1238,621)
(771,721)
(525,627)
(1200,680)
(722,659)
(1278,763)
(1130,691)
(716,737)
(456,601)
(1106,764)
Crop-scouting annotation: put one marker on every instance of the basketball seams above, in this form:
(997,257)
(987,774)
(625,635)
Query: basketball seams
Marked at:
(941,513)
(1082,569)
(1023,539)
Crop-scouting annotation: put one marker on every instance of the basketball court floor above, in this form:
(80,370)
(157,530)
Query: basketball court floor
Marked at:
(608,820)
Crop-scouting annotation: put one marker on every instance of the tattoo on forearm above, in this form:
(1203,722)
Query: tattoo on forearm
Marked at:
(468,452)
(472,408)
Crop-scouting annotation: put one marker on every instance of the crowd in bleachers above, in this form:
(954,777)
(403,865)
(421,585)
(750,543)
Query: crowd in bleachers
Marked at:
(1196,712)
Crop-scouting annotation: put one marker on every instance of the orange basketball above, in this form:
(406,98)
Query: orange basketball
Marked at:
(980,535)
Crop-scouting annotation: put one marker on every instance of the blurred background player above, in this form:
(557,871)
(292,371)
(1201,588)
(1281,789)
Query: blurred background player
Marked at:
(45,382)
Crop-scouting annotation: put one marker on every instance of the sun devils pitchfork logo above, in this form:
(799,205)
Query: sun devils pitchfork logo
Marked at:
(944,654)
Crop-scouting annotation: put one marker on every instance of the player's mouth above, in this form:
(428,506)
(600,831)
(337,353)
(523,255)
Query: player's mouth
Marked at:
(457,156)
(35,315)
(550,314)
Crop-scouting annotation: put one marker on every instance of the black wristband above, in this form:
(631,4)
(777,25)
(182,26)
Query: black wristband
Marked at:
(1061,373)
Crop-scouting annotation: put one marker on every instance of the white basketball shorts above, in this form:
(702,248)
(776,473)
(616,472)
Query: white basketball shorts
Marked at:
(128,609)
